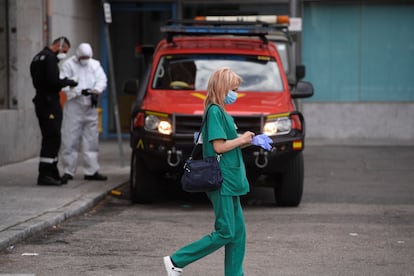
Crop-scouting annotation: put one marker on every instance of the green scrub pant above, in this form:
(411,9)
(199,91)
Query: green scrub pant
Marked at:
(229,232)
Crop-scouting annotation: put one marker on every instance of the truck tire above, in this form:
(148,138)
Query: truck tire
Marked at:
(288,192)
(142,181)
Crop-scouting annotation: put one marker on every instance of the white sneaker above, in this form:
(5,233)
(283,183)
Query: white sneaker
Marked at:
(171,269)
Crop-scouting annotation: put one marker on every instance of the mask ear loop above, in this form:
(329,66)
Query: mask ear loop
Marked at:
(61,41)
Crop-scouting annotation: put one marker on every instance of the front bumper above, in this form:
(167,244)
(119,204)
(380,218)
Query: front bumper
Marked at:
(167,153)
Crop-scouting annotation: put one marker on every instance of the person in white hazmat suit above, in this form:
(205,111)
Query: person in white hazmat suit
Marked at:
(80,117)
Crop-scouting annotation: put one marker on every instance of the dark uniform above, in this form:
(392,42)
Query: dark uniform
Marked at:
(45,75)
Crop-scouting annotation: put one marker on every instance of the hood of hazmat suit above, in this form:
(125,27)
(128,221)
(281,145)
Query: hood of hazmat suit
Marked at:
(84,50)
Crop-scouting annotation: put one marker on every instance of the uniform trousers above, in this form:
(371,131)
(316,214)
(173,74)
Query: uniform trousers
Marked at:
(229,232)
(49,114)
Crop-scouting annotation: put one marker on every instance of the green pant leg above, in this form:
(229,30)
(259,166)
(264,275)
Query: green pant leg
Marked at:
(235,250)
(224,232)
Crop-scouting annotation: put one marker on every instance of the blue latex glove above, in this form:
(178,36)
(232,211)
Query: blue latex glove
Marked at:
(262,140)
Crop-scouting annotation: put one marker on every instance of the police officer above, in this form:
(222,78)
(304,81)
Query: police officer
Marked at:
(44,70)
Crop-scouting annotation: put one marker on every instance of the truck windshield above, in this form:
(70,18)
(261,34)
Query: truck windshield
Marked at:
(259,73)
(283,53)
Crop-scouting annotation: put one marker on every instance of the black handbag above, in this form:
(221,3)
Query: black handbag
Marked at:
(202,175)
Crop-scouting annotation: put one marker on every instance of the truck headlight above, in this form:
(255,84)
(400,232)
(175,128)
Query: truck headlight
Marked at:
(164,127)
(154,123)
(151,122)
(278,126)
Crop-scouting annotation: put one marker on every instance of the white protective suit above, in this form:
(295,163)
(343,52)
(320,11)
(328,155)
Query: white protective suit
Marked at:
(80,120)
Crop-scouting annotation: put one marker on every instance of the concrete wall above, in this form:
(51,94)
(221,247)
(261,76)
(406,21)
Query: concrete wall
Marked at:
(77,19)
(20,135)
(388,123)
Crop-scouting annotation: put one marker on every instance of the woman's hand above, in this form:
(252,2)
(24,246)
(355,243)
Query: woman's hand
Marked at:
(246,138)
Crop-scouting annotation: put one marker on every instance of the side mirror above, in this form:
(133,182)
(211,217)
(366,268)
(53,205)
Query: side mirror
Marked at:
(131,87)
(300,72)
(303,89)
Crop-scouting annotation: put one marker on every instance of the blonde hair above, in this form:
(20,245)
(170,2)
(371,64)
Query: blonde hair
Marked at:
(220,82)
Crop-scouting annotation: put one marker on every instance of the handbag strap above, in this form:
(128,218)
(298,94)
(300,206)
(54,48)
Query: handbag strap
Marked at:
(199,133)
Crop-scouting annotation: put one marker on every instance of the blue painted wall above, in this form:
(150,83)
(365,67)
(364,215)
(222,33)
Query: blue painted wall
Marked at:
(359,52)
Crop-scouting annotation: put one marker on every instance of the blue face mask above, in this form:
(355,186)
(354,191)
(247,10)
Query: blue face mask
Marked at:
(231,97)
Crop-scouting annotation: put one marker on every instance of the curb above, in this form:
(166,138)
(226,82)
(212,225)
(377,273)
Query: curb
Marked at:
(30,227)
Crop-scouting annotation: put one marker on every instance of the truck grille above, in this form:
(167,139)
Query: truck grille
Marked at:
(249,123)
(186,125)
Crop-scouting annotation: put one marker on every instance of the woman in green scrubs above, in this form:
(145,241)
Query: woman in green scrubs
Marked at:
(221,139)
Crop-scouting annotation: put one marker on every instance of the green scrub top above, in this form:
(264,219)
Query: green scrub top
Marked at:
(220,125)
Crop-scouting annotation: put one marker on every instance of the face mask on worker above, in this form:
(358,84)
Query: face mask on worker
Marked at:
(231,97)
(84,54)
(61,55)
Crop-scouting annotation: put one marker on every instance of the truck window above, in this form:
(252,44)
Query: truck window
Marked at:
(259,73)
(283,53)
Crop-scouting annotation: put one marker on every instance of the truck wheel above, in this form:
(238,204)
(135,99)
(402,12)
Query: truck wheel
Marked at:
(288,192)
(142,181)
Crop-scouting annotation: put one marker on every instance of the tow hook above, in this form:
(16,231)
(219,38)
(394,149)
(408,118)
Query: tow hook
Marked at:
(174,155)
(261,160)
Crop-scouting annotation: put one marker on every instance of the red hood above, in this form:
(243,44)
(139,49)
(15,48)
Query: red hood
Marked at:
(191,102)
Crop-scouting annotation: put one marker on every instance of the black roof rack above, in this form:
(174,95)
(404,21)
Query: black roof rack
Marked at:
(203,27)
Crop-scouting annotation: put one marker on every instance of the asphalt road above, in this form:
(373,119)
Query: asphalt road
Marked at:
(356,218)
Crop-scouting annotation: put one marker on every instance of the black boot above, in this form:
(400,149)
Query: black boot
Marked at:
(66,177)
(48,170)
(96,176)
(46,180)
(55,171)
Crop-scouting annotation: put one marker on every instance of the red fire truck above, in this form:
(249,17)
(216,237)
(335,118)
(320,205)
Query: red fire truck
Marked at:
(169,105)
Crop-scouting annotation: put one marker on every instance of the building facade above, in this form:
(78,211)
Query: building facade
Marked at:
(359,55)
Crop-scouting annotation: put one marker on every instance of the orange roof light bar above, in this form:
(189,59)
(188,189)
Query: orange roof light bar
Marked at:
(271,19)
